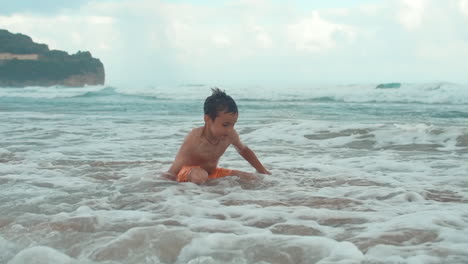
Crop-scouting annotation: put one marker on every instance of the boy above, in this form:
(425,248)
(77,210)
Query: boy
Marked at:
(198,156)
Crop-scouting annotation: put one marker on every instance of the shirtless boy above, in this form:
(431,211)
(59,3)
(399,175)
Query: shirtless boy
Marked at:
(198,157)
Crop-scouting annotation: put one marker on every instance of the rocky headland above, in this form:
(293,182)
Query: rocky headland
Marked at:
(26,63)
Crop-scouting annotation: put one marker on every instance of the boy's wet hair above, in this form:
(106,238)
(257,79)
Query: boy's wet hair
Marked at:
(217,102)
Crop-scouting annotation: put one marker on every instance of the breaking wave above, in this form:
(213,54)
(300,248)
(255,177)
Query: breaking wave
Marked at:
(431,93)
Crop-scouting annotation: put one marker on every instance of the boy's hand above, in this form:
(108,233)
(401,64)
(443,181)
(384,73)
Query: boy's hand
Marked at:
(244,175)
(265,171)
(168,175)
(248,176)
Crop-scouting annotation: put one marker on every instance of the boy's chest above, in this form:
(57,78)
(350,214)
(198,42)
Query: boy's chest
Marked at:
(209,152)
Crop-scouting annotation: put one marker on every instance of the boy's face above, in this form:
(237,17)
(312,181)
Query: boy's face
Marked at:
(223,124)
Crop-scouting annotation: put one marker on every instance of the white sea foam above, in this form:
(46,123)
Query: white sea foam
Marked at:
(429,93)
(41,255)
(47,92)
(79,182)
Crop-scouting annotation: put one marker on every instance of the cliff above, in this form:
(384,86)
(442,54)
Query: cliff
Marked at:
(26,63)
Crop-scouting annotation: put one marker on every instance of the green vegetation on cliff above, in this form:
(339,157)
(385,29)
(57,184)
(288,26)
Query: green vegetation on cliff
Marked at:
(19,44)
(53,67)
(49,67)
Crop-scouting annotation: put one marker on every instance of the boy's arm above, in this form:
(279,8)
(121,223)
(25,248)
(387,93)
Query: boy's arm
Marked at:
(171,174)
(180,158)
(248,154)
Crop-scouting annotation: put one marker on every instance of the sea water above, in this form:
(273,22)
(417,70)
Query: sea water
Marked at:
(359,175)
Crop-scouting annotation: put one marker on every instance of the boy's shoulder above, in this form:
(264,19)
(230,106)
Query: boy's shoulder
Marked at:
(195,133)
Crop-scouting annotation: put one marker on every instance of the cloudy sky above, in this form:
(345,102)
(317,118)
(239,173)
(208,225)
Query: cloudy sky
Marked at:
(152,42)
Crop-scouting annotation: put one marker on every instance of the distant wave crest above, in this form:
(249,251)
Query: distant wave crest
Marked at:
(107,91)
(430,93)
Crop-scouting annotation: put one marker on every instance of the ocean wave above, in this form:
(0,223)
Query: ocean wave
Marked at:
(107,91)
(430,93)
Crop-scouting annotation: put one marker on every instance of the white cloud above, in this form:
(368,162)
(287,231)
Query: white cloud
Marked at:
(370,9)
(314,34)
(264,40)
(154,40)
(439,53)
(221,40)
(262,37)
(464,7)
(337,11)
(99,20)
(65,32)
(411,13)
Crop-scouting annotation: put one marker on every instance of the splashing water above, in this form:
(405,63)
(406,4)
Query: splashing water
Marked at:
(360,175)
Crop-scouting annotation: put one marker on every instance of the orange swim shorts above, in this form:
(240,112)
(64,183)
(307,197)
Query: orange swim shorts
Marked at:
(182,176)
